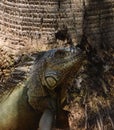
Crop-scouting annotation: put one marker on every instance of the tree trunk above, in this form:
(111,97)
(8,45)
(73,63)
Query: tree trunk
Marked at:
(92,106)
(28,26)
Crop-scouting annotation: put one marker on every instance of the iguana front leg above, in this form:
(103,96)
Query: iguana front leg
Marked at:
(48,117)
(48,106)
(46,121)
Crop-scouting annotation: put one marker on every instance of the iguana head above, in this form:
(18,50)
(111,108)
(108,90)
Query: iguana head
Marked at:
(57,64)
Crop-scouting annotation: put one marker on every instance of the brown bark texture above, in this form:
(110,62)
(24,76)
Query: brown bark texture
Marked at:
(31,26)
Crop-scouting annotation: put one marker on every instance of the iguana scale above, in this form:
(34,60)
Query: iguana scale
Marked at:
(22,108)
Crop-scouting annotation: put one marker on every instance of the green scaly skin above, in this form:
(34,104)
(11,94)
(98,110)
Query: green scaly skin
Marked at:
(22,108)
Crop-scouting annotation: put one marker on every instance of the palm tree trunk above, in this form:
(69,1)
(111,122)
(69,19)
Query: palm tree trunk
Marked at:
(28,26)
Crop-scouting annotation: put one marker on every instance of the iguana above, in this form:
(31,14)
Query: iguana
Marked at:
(22,107)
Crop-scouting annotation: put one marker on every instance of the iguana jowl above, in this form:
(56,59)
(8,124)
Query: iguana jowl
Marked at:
(20,109)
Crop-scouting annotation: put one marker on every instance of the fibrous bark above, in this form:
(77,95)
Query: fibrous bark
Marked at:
(88,23)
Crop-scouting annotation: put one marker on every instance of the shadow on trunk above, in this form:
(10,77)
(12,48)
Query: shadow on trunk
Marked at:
(94,99)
